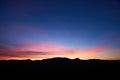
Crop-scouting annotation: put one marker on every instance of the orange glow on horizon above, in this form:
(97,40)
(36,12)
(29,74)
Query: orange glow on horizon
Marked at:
(43,51)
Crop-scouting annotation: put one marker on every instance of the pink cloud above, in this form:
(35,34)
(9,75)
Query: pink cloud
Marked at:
(49,50)
(47,47)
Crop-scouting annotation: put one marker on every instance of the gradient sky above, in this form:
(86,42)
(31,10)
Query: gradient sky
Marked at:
(39,29)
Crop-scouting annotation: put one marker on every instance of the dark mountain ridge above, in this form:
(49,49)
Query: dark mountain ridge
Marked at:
(60,65)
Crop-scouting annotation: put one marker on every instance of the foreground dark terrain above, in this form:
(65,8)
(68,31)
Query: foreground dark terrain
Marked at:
(61,65)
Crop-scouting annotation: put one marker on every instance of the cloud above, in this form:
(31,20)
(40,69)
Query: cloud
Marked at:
(22,53)
(31,50)
(84,53)
(48,50)
(49,47)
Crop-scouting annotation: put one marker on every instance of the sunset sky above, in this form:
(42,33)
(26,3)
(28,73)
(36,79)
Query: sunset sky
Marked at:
(40,29)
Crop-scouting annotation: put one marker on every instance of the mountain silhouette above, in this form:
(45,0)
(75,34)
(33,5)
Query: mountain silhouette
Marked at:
(59,64)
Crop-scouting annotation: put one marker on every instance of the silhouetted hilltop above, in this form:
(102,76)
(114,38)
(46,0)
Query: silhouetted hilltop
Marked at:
(60,65)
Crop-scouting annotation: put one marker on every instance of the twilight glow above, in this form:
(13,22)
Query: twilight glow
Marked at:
(39,29)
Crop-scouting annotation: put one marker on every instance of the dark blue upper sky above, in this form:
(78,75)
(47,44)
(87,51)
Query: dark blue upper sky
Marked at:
(72,23)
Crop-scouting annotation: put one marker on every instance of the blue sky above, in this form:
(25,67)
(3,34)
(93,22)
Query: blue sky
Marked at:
(75,24)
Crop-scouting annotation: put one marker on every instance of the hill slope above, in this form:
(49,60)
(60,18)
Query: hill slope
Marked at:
(60,65)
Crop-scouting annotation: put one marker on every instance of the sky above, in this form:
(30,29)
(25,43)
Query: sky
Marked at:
(40,29)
